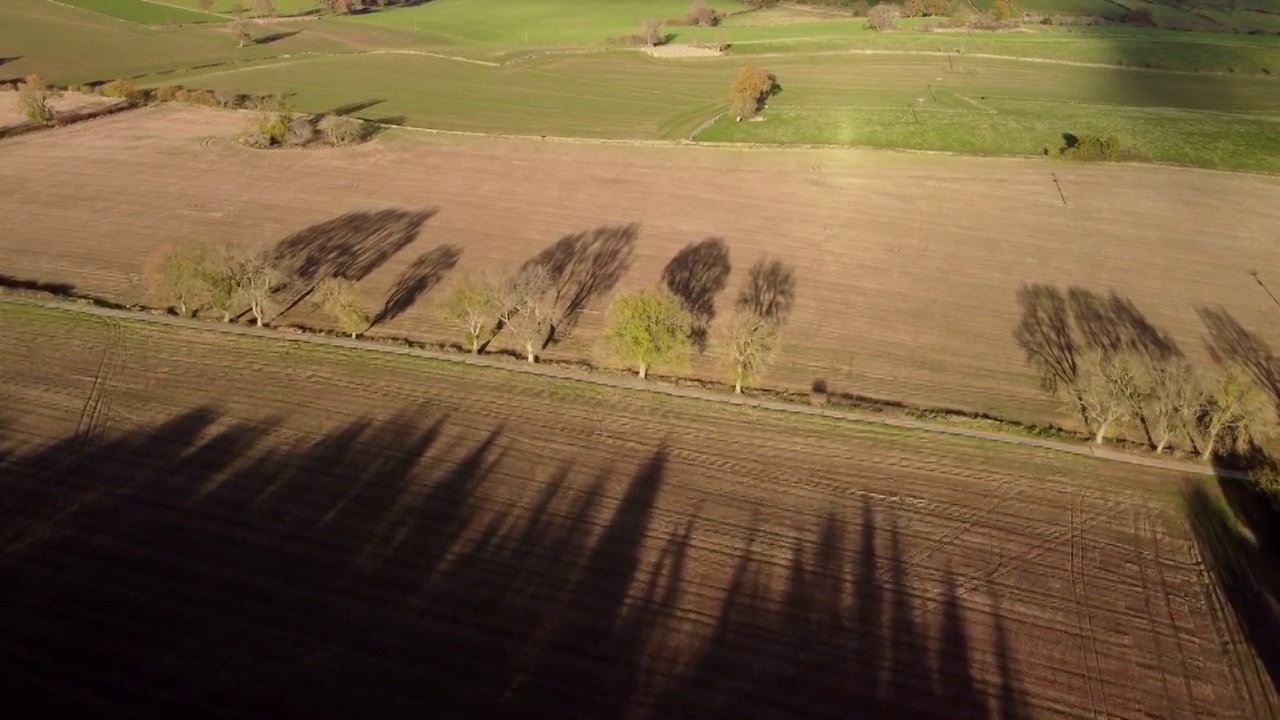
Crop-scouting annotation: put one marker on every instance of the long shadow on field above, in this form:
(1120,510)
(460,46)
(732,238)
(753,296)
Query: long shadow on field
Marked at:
(1230,343)
(60,289)
(190,569)
(696,275)
(1056,327)
(424,273)
(1236,526)
(349,247)
(583,267)
(770,290)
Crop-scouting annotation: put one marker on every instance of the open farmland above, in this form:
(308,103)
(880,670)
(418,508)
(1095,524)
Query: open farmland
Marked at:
(315,532)
(906,269)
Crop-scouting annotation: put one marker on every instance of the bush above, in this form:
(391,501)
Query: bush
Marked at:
(861,8)
(226,98)
(1140,16)
(125,90)
(1089,148)
(339,130)
(883,17)
(167,93)
(34,95)
(300,131)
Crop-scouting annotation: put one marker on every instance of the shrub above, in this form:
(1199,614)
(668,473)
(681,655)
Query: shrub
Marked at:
(167,93)
(883,17)
(861,8)
(1140,16)
(125,90)
(340,130)
(1001,10)
(226,98)
(702,14)
(300,131)
(1089,148)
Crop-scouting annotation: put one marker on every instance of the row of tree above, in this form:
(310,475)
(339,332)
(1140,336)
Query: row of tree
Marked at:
(647,327)
(1165,396)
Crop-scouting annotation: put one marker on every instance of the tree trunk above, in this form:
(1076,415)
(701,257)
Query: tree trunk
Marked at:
(1160,446)
(1209,442)
(528,349)
(354,334)
(226,316)
(182,309)
(737,385)
(644,370)
(1102,434)
(257,313)
(475,344)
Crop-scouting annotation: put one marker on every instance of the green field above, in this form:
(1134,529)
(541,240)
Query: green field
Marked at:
(1198,98)
(146,13)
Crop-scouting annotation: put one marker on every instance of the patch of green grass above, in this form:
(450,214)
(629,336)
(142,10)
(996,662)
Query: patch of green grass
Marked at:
(145,13)
(1085,8)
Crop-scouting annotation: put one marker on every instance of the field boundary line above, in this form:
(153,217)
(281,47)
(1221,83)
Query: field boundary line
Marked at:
(558,373)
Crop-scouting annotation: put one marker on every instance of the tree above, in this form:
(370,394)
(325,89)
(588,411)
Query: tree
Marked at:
(648,326)
(750,341)
(1236,414)
(177,278)
(339,298)
(701,14)
(475,306)
(527,307)
(652,32)
(256,275)
(1001,10)
(883,16)
(205,5)
(861,8)
(1107,388)
(219,280)
(243,37)
(262,8)
(34,95)
(1172,395)
(750,89)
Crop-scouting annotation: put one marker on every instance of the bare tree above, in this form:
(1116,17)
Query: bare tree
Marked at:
(1236,414)
(750,341)
(243,37)
(1107,389)
(653,32)
(177,277)
(883,16)
(205,5)
(528,308)
(257,276)
(475,306)
(262,8)
(218,279)
(339,298)
(1171,397)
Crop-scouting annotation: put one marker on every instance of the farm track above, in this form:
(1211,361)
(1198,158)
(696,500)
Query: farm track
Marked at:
(367,515)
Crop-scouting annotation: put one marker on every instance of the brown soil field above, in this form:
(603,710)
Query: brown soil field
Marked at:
(905,269)
(63,105)
(209,526)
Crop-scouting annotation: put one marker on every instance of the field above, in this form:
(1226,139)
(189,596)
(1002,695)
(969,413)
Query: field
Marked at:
(308,532)
(890,300)
(543,67)
(145,13)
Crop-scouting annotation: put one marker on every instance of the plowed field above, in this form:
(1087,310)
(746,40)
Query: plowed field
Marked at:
(905,270)
(198,525)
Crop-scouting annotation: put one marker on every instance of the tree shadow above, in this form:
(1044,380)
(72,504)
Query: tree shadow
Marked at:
(417,279)
(696,275)
(273,37)
(355,107)
(349,247)
(582,267)
(1236,527)
(770,291)
(1230,343)
(206,567)
(53,288)
(1055,327)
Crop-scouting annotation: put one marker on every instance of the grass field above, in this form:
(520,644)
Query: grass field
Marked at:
(964,96)
(145,13)
(971,105)
(345,533)
(926,301)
